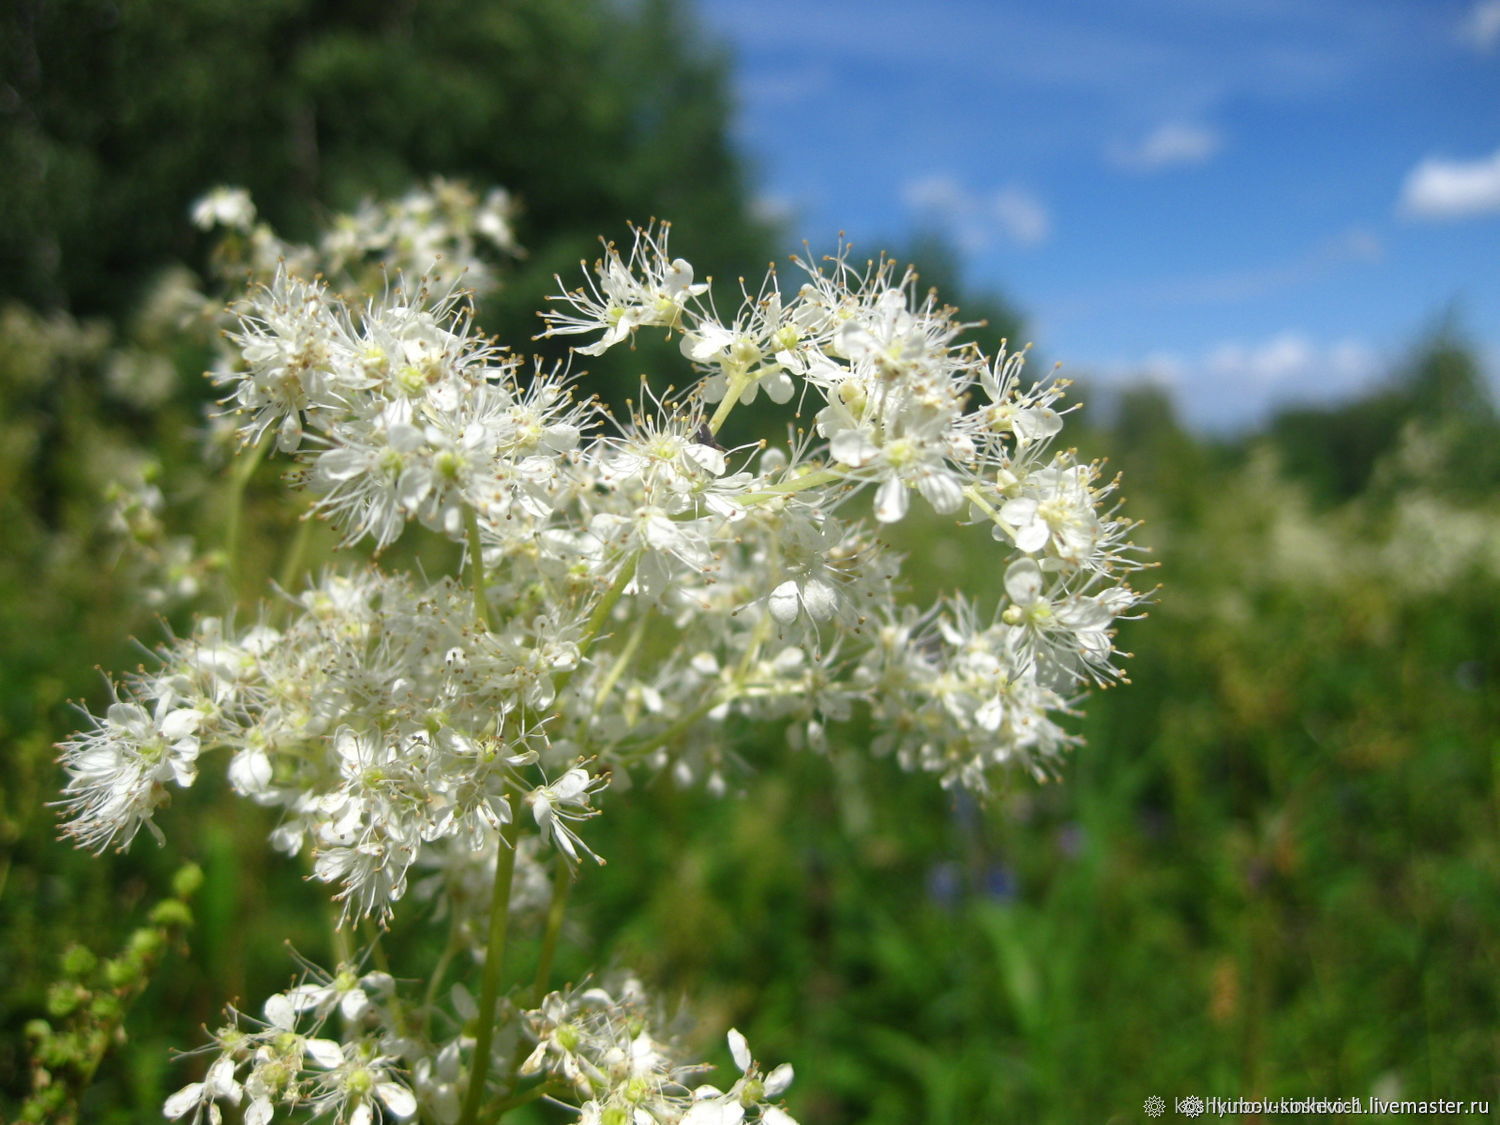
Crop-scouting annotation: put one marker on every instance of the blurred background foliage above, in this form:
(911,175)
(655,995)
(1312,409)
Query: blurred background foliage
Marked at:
(1270,872)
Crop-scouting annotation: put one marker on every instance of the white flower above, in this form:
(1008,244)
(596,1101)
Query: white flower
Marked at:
(294,352)
(357,1078)
(118,772)
(911,450)
(651,289)
(713,1107)
(1026,415)
(224,207)
(374,479)
(1056,513)
(566,799)
(740,358)
(1073,628)
(200,1097)
(344,989)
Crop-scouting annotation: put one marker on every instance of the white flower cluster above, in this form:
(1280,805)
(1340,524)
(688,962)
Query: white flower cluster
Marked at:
(599,1047)
(635,597)
(380,722)
(602,1044)
(356,1079)
(443,230)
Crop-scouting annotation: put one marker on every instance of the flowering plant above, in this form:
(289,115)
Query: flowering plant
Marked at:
(633,597)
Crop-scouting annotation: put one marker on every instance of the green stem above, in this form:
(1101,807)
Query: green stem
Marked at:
(598,618)
(476,571)
(234,508)
(343,949)
(562,887)
(629,755)
(622,661)
(439,971)
(732,393)
(972,494)
(291,568)
(800,484)
(489,988)
(608,602)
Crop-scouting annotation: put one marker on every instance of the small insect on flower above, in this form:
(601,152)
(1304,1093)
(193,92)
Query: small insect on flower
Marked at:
(705,436)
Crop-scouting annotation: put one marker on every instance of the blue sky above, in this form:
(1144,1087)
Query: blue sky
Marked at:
(1254,201)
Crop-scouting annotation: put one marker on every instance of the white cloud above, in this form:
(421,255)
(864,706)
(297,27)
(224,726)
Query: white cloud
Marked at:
(1482,28)
(1021,216)
(1237,383)
(1173,144)
(1270,363)
(1452,189)
(978,219)
(1290,365)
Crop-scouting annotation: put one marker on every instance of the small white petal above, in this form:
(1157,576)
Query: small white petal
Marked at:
(820,598)
(406,438)
(779,387)
(412,487)
(353,1004)
(533,1063)
(180,723)
(463,1002)
(397,1098)
(1033,537)
(572,783)
(784,603)
(714,1113)
(289,434)
(341,464)
(1023,581)
(1018,512)
(326,1053)
(706,341)
(220,1081)
(561,437)
(854,448)
(890,501)
(281,1012)
(661,533)
(184,1100)
(707,458)
(778,1080)
(680,276)
(250,772)
(941,491)
(739,1049)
